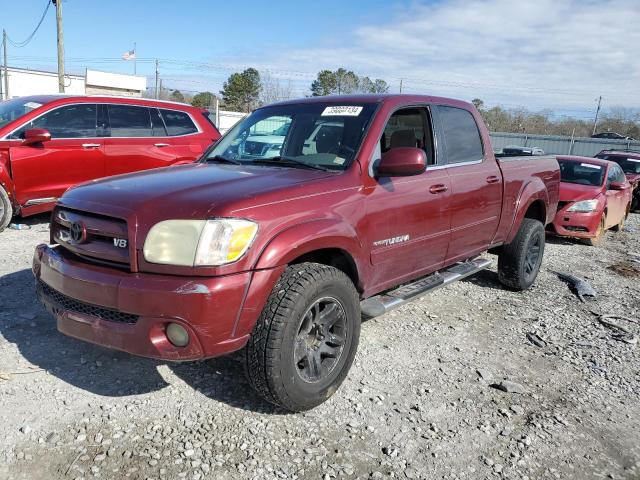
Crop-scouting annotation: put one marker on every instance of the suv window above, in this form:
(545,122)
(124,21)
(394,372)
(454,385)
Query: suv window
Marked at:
(409,127)
(178,123)
(461,135)
(157,124)
(129,121)
(69,121)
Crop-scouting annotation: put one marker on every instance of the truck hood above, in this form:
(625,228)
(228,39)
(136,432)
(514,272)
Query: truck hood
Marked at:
(573,192)
(187,191)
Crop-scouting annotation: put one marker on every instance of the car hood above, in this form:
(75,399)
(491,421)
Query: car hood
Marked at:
(633,177)
(187,191)
(573,192)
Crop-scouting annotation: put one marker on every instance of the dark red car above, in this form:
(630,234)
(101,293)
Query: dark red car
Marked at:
(594,197)
(629,161)
(49,143)
(360,204)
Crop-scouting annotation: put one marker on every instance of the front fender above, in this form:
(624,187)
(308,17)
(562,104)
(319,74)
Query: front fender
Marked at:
(532,191)
(307,237)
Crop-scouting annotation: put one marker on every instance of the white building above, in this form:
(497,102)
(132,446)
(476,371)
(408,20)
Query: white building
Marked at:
(24,82)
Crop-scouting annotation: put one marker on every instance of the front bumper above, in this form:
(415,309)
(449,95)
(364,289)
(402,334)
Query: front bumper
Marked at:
(130,311)
(575,224)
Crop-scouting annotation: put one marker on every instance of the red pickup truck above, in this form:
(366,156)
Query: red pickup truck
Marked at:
(365,203)
(51,142)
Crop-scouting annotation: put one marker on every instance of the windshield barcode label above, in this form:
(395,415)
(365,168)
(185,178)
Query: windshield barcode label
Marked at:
(346,111)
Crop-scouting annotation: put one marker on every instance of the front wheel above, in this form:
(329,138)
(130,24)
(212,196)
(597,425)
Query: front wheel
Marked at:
(6,210)
(306,337)
(519,261)
(600,233)
(620,225)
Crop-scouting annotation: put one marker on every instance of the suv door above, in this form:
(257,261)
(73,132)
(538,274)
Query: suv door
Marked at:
(476,184)
(75,154)
(144,137)
(408,217)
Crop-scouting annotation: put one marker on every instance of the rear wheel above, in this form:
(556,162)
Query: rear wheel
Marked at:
(519,261)
(306,337)
(6,210)
(600,233)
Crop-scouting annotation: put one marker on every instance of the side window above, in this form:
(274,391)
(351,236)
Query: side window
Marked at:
(157,124)
(409,127)
(130,121)
(70,121)
(461,135)
(619,175)
(178,123)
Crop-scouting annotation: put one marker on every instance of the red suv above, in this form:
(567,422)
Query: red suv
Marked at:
(49,143)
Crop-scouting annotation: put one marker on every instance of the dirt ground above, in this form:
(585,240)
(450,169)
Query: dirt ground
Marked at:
(420,401)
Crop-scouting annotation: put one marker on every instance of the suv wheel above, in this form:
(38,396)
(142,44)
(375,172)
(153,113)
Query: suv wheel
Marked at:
(519,261)
(6,210)
(306,337)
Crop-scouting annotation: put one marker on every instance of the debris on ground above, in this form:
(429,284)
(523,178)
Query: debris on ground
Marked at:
(536,340)
(579,286)
(19,226)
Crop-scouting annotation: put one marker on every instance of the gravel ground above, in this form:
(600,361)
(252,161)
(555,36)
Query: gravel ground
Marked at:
(421,400)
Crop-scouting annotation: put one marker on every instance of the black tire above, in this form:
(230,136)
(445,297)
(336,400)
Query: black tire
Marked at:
(6,210)
(519,261)
(280,336)
(601,232)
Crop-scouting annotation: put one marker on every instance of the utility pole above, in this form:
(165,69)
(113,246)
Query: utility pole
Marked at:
(400,85)
(6,68)
(595,122)
(58,4)
(157,73)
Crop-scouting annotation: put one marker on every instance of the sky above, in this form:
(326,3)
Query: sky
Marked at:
(544,54)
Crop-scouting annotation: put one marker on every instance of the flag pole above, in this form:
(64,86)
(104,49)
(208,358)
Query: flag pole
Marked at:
(135,59)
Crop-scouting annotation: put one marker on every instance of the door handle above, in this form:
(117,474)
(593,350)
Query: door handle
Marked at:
(493,179)
(90,145)
(439,188)
(160,145)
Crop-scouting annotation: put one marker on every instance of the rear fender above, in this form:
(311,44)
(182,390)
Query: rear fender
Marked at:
(534,190)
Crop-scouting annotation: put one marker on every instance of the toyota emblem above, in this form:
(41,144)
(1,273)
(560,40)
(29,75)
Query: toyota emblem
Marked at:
(78,232)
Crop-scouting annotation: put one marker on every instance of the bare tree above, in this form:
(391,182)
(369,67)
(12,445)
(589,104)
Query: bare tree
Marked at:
(273,89)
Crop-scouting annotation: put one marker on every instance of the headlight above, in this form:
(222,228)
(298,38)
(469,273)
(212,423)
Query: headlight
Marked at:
(192,243)
(584,206)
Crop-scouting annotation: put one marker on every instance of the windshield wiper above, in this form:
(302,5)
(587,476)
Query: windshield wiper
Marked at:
(221,159)
(289,162)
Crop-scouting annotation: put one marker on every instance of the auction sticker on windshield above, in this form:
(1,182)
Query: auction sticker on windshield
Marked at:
(346,111)
(634,160)
(591,165)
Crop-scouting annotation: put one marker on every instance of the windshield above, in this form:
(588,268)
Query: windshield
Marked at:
(629,165)
(14,109)
(581,173)
(314,135)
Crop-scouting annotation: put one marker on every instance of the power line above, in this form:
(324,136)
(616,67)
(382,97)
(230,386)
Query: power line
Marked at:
(30,37)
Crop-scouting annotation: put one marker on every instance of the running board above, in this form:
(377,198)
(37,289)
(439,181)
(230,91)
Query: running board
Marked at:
(381,304)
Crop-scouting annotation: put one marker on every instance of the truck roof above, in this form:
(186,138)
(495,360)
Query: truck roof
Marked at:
(377,98)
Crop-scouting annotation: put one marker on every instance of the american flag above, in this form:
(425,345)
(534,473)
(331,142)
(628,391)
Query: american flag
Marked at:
(130,55)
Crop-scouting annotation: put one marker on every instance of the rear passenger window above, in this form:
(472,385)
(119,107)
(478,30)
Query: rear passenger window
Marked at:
(129,121)
(461,135)
(178,123)
(157,124)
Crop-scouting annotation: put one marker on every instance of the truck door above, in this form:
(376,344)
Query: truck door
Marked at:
(476,183)
(408,217)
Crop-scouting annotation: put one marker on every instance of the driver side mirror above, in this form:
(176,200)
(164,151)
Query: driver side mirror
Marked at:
(617,186)
(36,135)
(402,162)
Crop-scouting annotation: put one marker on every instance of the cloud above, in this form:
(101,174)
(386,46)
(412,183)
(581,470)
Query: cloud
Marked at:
(538,54)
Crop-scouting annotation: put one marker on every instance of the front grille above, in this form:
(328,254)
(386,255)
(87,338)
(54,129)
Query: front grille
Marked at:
(575,229)
(101,238)
(255,148)
(59,301)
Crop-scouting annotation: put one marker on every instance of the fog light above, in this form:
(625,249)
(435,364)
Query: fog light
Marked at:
(177,335)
